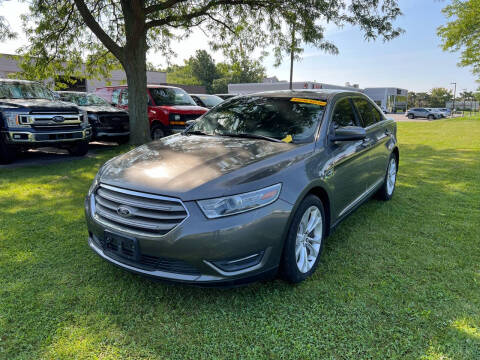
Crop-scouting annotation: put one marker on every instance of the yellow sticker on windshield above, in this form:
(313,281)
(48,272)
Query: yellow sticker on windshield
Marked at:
(288,139)
(309,101)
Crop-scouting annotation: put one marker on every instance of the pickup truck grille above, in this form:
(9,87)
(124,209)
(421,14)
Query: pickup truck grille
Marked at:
(137,213)
(113,119)
(51,121)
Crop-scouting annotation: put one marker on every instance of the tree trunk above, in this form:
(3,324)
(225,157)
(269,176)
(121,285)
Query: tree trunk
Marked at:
(136,70)
(135,66)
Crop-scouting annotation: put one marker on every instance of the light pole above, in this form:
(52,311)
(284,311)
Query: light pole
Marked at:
(464,96)
(454,95)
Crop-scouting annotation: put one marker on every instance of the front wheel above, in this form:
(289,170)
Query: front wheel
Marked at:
(157,132)
(304,242)
(7,153)
(79,149)
(388,187)
(411,116)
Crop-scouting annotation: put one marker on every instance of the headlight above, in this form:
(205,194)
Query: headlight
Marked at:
(17,120)
(96,180)
(235,204)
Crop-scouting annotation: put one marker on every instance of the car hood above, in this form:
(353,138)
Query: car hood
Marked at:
(102,109)
(39,104)
(192,167)
(185,109)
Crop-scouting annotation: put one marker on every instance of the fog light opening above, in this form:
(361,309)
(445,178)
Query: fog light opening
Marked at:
(237,264)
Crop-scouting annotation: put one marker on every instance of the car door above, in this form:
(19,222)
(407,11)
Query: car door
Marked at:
(348,160)
(378,134)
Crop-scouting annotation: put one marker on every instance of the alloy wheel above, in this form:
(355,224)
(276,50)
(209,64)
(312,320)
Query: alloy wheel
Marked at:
(309,239)
(391,175)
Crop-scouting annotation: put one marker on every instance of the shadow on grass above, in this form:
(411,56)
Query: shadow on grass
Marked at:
(396,280)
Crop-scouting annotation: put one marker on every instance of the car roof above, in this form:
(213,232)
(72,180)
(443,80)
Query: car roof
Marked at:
(73,92)
(323,94)
(18,81)
(148,86)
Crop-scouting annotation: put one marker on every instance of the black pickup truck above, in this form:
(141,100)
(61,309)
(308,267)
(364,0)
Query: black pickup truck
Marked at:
(31,116)
(107,122)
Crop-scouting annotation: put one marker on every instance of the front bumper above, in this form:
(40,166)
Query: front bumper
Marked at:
(200,244)
(31,136)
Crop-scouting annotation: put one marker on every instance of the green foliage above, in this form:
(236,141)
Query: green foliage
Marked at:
(461,32)
(397,280)
(439,97)
(204,68)
(5,32)
(182,74)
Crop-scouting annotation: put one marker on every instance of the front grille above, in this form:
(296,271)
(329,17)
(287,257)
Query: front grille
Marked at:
(138,213)
(114,120)
(45,120)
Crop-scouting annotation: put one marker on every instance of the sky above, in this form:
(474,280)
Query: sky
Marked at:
(413,61)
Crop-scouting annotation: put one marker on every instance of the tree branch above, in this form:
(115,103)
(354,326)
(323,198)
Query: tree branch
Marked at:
(90,21)
(167,4)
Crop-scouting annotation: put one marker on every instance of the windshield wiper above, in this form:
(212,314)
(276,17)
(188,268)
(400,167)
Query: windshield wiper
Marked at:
(249,136)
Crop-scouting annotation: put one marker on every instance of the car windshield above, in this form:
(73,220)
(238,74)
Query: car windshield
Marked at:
(210,100)
(84,99)
(287,119)
(171,97)
(20,90)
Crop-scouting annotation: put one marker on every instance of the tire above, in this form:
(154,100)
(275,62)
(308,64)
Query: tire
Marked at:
(292,268)
(387,190)
(7,153)
(411,116)
(431,117)
(157,132)
(123,140)
(79,149)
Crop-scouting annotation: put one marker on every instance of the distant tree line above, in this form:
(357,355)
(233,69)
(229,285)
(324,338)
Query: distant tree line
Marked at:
(438,98)
(201,69)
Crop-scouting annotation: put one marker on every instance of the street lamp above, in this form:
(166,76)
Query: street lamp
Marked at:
(454,95)
(464,96)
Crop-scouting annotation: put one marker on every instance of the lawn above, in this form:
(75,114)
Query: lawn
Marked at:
(397,280)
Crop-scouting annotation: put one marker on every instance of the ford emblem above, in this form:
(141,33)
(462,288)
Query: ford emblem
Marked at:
(124,211)
(58,119)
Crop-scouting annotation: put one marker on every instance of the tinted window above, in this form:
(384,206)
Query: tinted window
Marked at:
(343,114)
(280,118)
(171,97)
(115,95)
(368,113)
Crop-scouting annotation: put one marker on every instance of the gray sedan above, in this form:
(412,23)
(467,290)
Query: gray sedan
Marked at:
(423,113)
(253,187)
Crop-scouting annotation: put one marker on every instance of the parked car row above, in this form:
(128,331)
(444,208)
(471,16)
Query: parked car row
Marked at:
(33,116)
(428,113)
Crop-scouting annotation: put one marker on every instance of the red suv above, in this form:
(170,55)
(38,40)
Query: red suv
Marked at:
(168,107)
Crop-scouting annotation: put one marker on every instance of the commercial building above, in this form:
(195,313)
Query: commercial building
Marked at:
(9,67)
(391,100)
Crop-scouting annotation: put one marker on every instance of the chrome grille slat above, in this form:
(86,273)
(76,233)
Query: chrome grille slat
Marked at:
(142,203)
(149,215)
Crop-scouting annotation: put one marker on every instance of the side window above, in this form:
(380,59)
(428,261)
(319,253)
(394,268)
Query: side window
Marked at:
(115,95)
(368,113)
(124,100)
(343,115)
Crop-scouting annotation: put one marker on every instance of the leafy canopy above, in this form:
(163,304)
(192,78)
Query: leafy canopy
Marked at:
(462,33)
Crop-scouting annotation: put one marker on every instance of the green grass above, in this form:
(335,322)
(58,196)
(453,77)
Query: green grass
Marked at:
(397,280)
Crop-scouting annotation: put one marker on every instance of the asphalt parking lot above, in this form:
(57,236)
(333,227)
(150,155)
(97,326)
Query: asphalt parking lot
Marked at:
(50,155)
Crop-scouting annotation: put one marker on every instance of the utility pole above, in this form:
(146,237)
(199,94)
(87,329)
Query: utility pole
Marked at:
(292,56)
(454,95)
(464,96)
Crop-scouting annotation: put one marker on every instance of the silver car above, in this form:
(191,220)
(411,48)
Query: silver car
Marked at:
(423,113)
(253,187)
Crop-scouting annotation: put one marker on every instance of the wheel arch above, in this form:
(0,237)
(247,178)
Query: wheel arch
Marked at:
(396,153)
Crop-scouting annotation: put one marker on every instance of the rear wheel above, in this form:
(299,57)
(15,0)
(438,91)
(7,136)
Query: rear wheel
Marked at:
(431,117)
(388,187)
(157,132)
(7,153)
(304,242)
(79,149)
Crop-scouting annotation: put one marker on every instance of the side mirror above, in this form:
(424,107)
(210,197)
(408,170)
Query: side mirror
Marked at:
(349,133)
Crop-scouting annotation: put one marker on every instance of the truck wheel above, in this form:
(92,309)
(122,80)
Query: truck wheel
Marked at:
(157,132)
(7,153)
(79,149)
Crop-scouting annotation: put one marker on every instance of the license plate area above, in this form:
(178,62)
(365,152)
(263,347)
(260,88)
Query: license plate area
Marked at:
(123,246)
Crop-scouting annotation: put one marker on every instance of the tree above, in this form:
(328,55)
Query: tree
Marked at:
(411,99)
(461,32)
(439,97)
(63,33)
(204,68)
(5,31)
(423,99)
(182,74)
